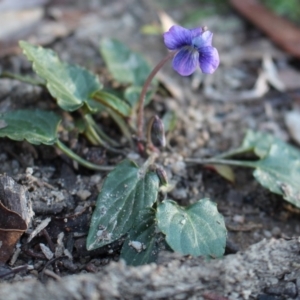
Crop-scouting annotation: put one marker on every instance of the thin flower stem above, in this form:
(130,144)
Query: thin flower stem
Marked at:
(234,152)
(102,134)
(122,125)
(151,159)
(92,132)
(140,121)
(217,161)
(80,160)
(90,138)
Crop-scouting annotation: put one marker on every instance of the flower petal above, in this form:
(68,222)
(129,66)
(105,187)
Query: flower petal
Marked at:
(208,59)
(196,32)
(203,40)
(185,61)
(177,37)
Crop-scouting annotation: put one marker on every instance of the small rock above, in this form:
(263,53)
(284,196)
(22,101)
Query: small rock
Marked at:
(46,251)
(267,233)
(59,196)
(95,179)
(290,290)
(292,121)
(179,167)
(298,284)
(266,297)
(83,194)
(133,156)
(276,232)
(238,219)
(179,194)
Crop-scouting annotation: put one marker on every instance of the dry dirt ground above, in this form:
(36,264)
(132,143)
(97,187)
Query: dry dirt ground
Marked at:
(262,254)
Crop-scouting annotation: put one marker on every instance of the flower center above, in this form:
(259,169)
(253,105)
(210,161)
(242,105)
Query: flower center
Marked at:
(197,42)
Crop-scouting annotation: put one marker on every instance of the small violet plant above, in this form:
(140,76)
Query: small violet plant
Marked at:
(195,230)
(132,204)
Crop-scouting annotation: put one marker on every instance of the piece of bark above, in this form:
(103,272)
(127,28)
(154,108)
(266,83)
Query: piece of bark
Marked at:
(15,215)
(279,30)
(15,198)
(237,276)
(12,226)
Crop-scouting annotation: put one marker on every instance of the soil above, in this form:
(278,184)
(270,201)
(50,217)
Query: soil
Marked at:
(206,125)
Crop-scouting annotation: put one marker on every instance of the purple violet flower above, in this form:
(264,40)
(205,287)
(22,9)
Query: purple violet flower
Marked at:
(194,48)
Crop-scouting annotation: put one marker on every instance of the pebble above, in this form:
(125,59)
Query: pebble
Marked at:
(276,232)
(238,219)
(133,156)
(290,290)
(179,167)
(83,194)
(180,194)
(298,284)
(95,179)
(59,196)
(267,233)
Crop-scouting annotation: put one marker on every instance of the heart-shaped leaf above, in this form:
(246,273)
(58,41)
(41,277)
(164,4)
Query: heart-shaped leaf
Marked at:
(125,193)
(125,66)
(196,230)
(132,94)
(141,247)
(71,85)
(279,171)
(35,126)
(279,166)
(259,142)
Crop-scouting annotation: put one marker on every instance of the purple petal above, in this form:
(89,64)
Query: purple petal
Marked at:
(203,40)
(208,59)
(177,37)
(185,61)
(196,32)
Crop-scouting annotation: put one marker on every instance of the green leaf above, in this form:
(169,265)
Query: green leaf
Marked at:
(195,230)
(170,120)
(126,66)
(132,94)
(35,126)
(125,192)
(259,142)
(71,85)
(141,246)
(279,168)
(113,102)
(279,171)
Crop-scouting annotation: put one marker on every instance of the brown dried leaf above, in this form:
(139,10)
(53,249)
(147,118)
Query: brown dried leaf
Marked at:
(224,171)
(12,226)
(15,215)
(15,198)
(280,31)
(166,21)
